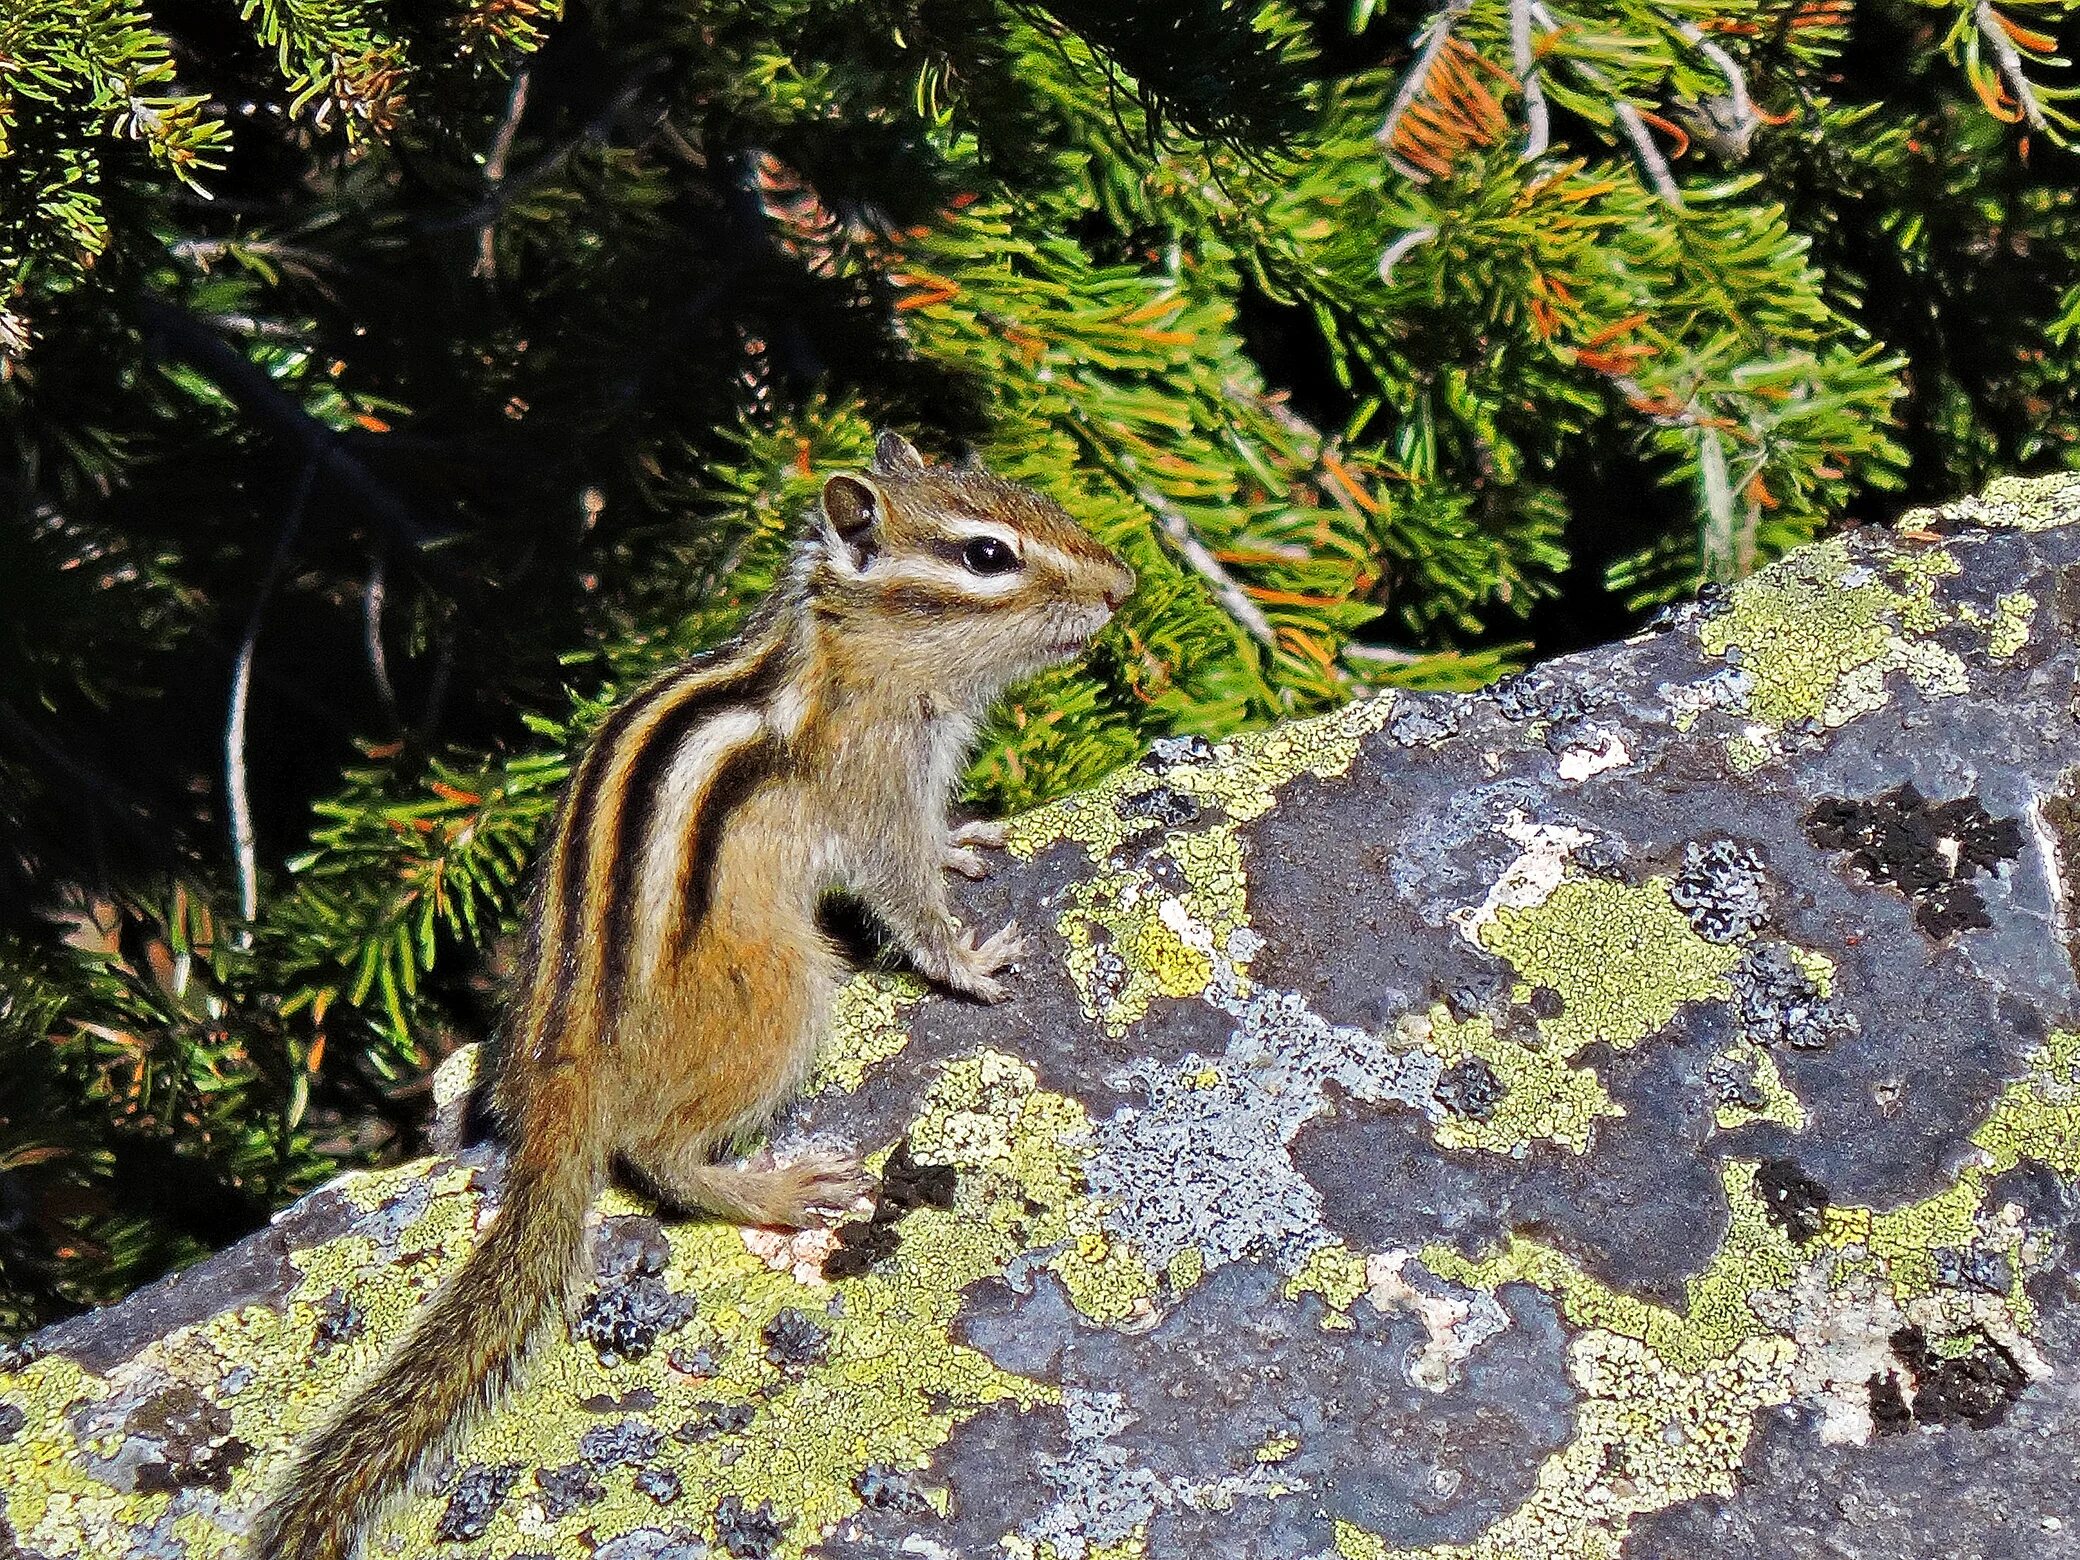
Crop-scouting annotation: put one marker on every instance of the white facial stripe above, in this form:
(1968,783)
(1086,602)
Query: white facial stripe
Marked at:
(940,575)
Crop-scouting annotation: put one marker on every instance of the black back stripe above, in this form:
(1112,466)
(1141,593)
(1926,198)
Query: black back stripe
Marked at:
(638,797)
(574,840)
(735,780)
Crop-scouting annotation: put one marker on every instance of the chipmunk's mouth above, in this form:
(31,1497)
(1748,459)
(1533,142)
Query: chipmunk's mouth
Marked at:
(1069,641)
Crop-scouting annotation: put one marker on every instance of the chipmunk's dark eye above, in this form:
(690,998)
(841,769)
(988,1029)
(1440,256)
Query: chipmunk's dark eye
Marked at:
(987,555)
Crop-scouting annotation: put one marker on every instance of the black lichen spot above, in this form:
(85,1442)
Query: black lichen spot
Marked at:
(748,1532)
(1889,1411)
(881,1487)
(193,1439)
(793,1341)
(1794,1201)
(1929,851)
(611,1446)
(660,1484)
(624,1320)
(1719,887)
(11,1421)
(1168,753)
(1973,1387)
(862,1245)
(479,1491)
(1546,1002)
(339,1321)
(1469,1087)
(711,1419)
(1778,1003)
(567,1489)
(1167,805)
(905,1185)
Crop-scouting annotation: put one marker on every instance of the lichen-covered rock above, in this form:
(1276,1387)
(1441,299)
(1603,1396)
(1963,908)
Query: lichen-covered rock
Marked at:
(1635,1111)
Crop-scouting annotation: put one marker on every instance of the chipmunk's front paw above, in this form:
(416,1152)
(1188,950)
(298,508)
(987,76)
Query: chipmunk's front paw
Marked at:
(964,848)
(972,970)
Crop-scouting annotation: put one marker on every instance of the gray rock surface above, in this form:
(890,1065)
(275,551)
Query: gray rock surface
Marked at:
(1633,1111)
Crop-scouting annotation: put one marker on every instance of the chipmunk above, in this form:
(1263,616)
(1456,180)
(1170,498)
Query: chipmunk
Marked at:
(674,983)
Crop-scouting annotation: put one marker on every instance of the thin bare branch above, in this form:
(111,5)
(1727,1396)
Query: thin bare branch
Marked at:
(1729,67)
(372,597)
(237,800)
(1400,248)
(2010,63)
(1726,121)
(1650,158)
(495,171)
(1537,117)
(1226,588)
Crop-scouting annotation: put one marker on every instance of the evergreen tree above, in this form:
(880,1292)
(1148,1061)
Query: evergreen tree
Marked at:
(388,388)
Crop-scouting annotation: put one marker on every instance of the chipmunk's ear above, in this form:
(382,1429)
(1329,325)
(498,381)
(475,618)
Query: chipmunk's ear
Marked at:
(852,520)
(896,456)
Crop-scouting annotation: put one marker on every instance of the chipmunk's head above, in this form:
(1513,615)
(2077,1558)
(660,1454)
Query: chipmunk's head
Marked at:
(957,577)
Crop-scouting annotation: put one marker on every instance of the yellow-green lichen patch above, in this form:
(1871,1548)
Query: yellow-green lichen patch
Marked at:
(2010,503)
(1240,776)
(1355,1543)
(1016,1546)
(2007,630)
(867,1028)
(1020,1150)
(2038,1117)
(1775,1100)
(1621,956)
(1545,1098)
(1185,1269)
(456,1078)
(1818,634)
(1166,928)
(1337,1274)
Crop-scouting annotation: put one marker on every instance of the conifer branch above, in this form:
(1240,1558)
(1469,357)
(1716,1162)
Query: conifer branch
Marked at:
(173,331)
(1434,38)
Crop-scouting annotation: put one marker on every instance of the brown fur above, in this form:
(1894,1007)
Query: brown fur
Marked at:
(676,983)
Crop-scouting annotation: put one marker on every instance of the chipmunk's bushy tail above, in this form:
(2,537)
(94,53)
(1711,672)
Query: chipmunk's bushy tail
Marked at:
(458,1357)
